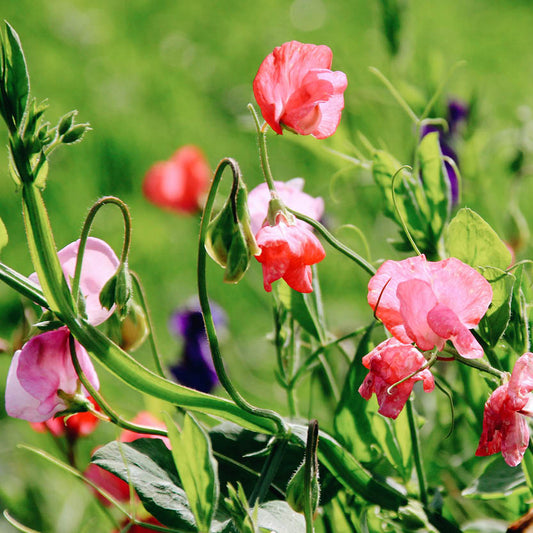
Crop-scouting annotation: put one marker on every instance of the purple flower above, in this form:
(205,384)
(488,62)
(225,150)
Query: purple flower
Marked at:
(457,115)
(195,368)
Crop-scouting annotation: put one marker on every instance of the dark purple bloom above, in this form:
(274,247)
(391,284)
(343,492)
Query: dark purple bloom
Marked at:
(457,116)
(195,368)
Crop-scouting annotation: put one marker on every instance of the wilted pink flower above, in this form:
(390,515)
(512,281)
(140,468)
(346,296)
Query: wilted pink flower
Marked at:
(390,362)
(430,302)
(180,183)
(292,195)
(504,426)
(296,88)
(286,252)
(42,380)
(72,426)
(99,265)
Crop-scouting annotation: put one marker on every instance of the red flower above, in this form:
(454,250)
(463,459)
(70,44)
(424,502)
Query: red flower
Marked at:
(286,252)
(180,183)
(430,302)
(504,426)
(389,363)
(296,88)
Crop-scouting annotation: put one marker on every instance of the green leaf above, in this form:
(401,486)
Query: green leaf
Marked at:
(197,468)
(148,466)
(517,332)
(435,183)
(3,235)
(18,81)
(279,517)
(494,323)
(473,241)
(498,480)
(352,424)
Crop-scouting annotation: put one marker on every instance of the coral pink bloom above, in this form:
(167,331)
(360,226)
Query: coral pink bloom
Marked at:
(73,426)
(286,252)
(296,88)
(42,373)
(292,195)
(180,183)
(504,426)
(389,363)
(99,264)
(429,303)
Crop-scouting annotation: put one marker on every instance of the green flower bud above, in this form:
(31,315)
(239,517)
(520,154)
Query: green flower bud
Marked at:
(107,294)
(118,291)
(66,122)
(296,490)
(230,241)
(75,134)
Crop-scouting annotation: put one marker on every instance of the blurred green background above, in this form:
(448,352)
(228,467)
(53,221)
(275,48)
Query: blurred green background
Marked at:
(151,76)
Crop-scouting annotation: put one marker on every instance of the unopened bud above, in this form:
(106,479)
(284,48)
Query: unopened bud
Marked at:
(75,134)
(66,122)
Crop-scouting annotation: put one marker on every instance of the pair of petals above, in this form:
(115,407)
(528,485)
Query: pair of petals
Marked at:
(180,183)
(389,363)
(296,88)
(291,194)
(41,369)
(505,427)
(287,251)
(431,302)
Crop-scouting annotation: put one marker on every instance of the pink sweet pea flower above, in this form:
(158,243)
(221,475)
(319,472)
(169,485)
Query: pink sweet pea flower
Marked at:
(296,88)
(72,426)
(504,424)
(99,265)
(291,194)
(180,183)
(287,251)
(430,303)
(390,362)
(42,380)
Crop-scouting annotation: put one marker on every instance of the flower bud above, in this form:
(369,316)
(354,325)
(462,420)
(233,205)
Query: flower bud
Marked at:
(296,490)
(66,122)
(133,329)
(75,134)
(229,240)
(118,290)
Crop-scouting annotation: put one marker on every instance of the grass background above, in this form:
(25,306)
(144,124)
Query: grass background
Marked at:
(151,76)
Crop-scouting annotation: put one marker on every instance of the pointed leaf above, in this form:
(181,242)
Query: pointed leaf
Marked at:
(473,241)
(18,82)
(279,517)
(434,182)
(3,235)
(494,323)
(197,468)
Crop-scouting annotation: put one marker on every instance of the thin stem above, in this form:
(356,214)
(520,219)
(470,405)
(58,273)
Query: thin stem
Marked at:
(206,307)
(151,334)
(22,285)
(311,471)
(480,364)
(417,457)
(87,228)
(329,377)
(398,212)
(397,96)
(263,153)
(268,472)
(343,249)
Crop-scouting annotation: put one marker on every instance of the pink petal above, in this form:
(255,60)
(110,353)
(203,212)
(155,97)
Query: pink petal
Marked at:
(515,440)
(416,300)
(291,193)
(521,382)
(382,291)
(445,323)
(461,288)
(389,363)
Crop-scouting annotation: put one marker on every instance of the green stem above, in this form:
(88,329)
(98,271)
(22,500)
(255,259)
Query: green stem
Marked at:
(22,285)
(268,414)
(87,228)
(343,249)
(263,153)
(151,334)
(417,456)
(268,472)
(480,364)
(311,472)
